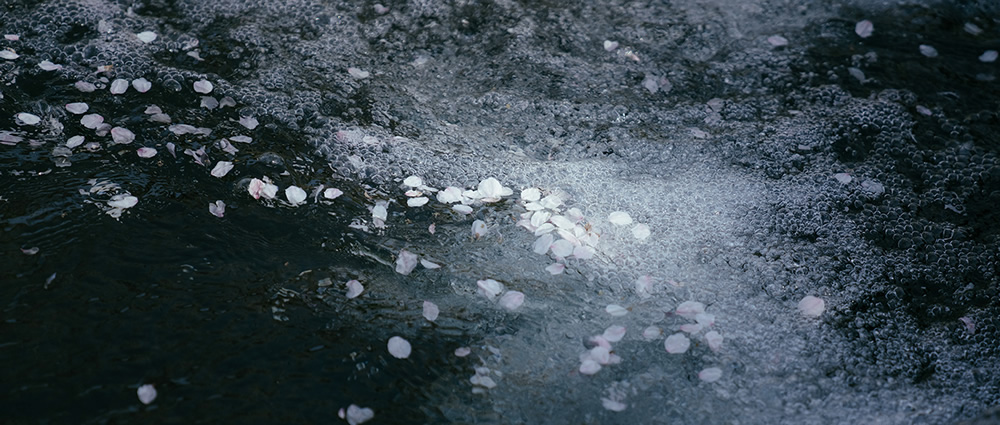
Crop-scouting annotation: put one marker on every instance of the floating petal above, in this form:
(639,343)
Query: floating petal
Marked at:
(145,152)
(811,306)
(357,73)
(222,168)
(864,28)
(354,288)
(431,311)
(928,51)
(406,261)
(711,374)
(464,209)
(146,393)
(146,36)
(255,188)
(450,195)
(612,405)
(399,347)
(217,208)
(462,351)
(141,85)
(562,248)
(489,288)
(614,333)
(84,86)
(122,135)
(91,120)
(988,56)
(49,66)
(77,108)
(620,218)
(589,367)
(714,340)
(417,202)
(429,265)
(123,201)
(119,86)
(677,343)
(74,141)
(332,193)
(616,310)
(690,309)
(249,122)
(203,86)
(777,41)
(511,300)
(358,415)
(296,195)
(542,244)
(555,268)
(651,333)
(640,231)
(8,54)
(531,194)
(413,181)
(479,228)
(25,118)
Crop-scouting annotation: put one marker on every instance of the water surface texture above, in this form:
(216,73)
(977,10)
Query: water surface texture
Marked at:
(684,212)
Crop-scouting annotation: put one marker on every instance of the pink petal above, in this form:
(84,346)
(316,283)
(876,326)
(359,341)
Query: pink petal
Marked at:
(119,86)
(714,340)
(145,152)
(489,288)
(203,86)
(512,300)
(542,244)
(970,325)
(652,332)
(91,121)
(406,261)
(711,374)
(690,309)
(358,415)
(589,367)
(332,193)
(146,393)
(677,343)
(77,108)
(218,208)
(555,268)
(614,333)
(811,306)
(399,347)
(620,218)
(255,188)
(479,228)
(431,311)
(354,288)
(122,135)
(562,248)
(222,168)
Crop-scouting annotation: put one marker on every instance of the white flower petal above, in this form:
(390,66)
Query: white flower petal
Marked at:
(555,268)
(583,252)
(777,41)
(119,86)
(429,265)
(677,343)
(612,405)
(479,228)
(531,194)
(614,333)
(690,309)
(399,347)
(141,85)
(357,73)
(332,193)
(222,168)
(77,108)
(146,393)
(610,46)
(462,351)
(640,231)
(928,51)
(489,288)
(620,218)
(122,135)
(988,56)
(551,202)
(714,340)
(450,195)
(562,248)
(431,311)
(146,36)
(380,211)
(249,122)
(511,300)
(145,152)
(811,306)
(651,333)
(413,181)
(217,208)
(74,141)
(711,374)
(358,415)
(354,288)
(84,86)
(864,28)
(417,202)
(8,54)
(49,66)
(542,244)
(406,261)
(615,310)
(203,86)
(25,118)
(123,201)
(464,209)
(589,367)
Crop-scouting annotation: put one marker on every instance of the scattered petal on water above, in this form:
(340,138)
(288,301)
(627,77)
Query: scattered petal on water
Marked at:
(970,325)
(146,393)
(217,208)
(413,181)
(249,122)
(843,178)
(612,405)
(256,187)
(777,41)
(296,195)
(203,86)
(714,340)
(464,209)
(988,56)
(146,36)
(354,288)
(811,306)
(511,300)
(77,108)
(119,86)
(84,86)
(614,333)
(49,66)
(122,135)
(406,261)
(450,195)
(972,28)
(30,251)
(690,309)
(399,347)
(562,248)
(542,244)
(431,311)
(11,37)
(531,194)
(462,351)
(141,85)
(241,139)
(640,231)
(928,51)
(8,54)
(380,9)
(924,111)
(583,252)
(209,102)
(620,218)
(357,73)
(864,28)
(489,288)
(677,343)
(429,265)
(222,168)
(332,193)
(25,118)
(417,202)
(589,367)
(358,415)
(491,190)
(616,310)
(478,228)
(555,268)
(145,152)
(610,46)
(123,201)
(91,121)
(651,333)
(227,101)
(711,374)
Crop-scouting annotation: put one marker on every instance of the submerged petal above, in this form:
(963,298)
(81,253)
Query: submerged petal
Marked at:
(431,311)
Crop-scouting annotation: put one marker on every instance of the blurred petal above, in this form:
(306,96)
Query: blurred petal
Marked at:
(431,311)
(399,347)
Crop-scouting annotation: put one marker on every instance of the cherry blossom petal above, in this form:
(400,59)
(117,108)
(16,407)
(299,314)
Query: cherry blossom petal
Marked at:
(864,28)
(491,190)
(610,46)
(583,252)
(511,300)
(464,209)
(928,51)
(489,288)
(25,118)
(399,347)
(970,325)
(85,86)
(380,211)
(714,340)
(620,218)
(146,393)
(431,311)
(122,135)
(358,415)
(644,286)
(119,86)
(462,351)
(677,343)
(209,102)
(74,141)
(479,228)
(296,195)
(417,202)
(616,310)
(690,328)
(614,333)
(222,168)
(429,265)
(123,201)
(8,54)
(542,244)
(652,332)
(269,191)
(601,354)
(332,193)
(217,208)
(30,251)
(612,405)
(406,261)
(589,367)
(354,288)
(145,152)
(141,85)
(413,181)
(690,309)
(551,202)
(450,195)
(255,188)
(77,108)
(203,86)
(49,66)
(811,306)
(777,41)
(555,268)
(146,36)
(357,73)
(710,375)
(531,194)
(249,122)
(988,56)
(640,231)
(562,248)
(432,228)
